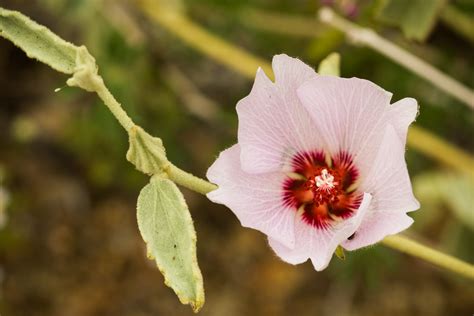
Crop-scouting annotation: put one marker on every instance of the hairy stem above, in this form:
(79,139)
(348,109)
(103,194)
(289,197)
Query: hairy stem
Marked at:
(174,173)
(188,180)
(113,105)
(371,39)
(411,247)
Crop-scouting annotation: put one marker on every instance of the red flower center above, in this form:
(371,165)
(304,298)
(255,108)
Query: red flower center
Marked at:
(322,188)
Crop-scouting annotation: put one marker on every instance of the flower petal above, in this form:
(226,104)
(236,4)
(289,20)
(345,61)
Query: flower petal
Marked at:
(256,200)
(316,244)
(349,114)
(376,226)
(273,124)
(389,184)
(290,73)
(402,113)
(290,255)
(388,180)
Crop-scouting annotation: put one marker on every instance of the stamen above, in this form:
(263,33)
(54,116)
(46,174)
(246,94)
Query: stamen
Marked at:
(325,181)
(318,190)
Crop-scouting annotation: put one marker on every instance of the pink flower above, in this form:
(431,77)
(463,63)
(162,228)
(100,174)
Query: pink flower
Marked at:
(319,163)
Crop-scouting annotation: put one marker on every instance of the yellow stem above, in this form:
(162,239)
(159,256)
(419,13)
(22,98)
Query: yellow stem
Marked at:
(408,246)
(440,150)
(212,46)
(282,23)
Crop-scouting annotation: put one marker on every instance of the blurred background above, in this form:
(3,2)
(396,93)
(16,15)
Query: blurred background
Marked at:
(69,243)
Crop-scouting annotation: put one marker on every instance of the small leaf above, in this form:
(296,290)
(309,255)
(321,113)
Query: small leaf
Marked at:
(166,226)
(38,41)
(340,253)
(330,66)
(85,71)
(146,152)
(415,17)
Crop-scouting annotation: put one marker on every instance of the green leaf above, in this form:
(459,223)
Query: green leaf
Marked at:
(415,17)
(37,41)
(166,226)
(330,65)
(146,152)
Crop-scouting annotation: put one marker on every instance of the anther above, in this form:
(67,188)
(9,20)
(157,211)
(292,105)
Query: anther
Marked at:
(325,181)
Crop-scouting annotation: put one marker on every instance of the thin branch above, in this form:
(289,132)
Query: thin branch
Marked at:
(411,247)
(214,47)
(371,39)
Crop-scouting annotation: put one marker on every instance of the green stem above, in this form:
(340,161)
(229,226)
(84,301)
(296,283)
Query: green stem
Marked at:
(371,39)
(113,105)
(174,173)
(188,180)
(408,246)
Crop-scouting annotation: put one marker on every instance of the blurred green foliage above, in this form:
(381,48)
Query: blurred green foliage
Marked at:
(415,17)
(79,144)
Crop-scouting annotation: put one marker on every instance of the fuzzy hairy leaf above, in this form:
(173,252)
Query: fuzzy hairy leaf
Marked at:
(38,41)
(167,228)
(146,152)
